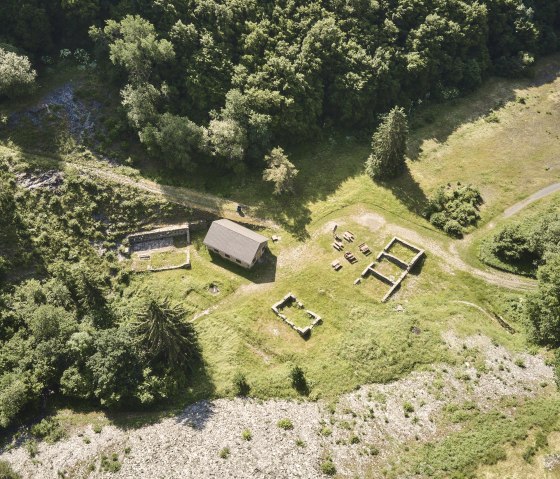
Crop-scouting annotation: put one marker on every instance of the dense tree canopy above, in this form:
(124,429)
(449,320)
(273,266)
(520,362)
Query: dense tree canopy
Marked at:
(244,75)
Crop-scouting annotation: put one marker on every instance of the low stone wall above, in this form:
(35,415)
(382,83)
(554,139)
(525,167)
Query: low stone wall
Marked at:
(135,240)
(185,265)
(386,255)
(291,298)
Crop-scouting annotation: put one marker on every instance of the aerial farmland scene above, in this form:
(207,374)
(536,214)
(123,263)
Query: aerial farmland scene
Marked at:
(279,239)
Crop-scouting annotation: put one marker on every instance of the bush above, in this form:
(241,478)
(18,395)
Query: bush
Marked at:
(327,467)
(285,424)
(17,77)
(224,453)
(111,464)
(6,471)
(452,209)
(299,383)
(48,429)
(240,385)
(246,435)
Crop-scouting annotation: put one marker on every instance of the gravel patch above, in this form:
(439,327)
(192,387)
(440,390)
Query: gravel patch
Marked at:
(361,432)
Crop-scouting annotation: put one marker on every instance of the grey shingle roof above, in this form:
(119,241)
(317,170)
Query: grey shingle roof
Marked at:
(233,239)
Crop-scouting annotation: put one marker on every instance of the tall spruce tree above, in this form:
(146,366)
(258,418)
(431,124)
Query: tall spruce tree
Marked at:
(388,145)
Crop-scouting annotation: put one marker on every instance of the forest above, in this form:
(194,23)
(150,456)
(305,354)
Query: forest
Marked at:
(224,82)
(231,86)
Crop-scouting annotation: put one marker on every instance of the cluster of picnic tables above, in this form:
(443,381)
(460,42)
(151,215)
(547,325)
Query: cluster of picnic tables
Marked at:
(339,245)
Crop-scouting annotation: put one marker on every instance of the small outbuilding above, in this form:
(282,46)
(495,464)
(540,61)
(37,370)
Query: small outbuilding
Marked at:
(235,242)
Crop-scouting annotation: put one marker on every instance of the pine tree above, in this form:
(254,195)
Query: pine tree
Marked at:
(388,145)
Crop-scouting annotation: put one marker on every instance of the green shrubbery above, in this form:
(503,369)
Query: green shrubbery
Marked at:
(71,331)
(520,247)
(454,208)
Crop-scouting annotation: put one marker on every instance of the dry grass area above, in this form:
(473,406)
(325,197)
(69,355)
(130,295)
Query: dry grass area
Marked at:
(503,139)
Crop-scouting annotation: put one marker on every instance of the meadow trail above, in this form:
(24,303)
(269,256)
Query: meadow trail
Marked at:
(183,196)
(227,208)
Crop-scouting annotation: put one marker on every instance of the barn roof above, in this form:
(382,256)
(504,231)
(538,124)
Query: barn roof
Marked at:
(234,240)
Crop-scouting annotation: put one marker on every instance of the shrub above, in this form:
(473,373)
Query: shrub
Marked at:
(408,407)
(240,385)
(520,363)
(300,442)
(224,453)
(6,471)
(111,464)
(285,424)
(246,434)
(327,467)
(299,383)
(48,429)
(452,209)
(17,77)
(31,447)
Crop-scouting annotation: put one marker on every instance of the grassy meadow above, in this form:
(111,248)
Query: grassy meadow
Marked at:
(503,139)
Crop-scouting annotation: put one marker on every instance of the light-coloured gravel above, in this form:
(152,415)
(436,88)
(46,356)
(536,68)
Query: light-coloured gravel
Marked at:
(361,432)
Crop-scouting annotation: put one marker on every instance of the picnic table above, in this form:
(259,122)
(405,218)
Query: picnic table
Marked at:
(348,236)
(364,248)
(338,246)
(336,265)
(350,257)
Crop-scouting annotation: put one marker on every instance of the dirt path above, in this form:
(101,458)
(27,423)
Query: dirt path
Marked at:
(517,207)
(182,196)
(452,259)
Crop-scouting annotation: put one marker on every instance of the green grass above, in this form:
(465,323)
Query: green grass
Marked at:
(361,340)
(549,204)
(482,440)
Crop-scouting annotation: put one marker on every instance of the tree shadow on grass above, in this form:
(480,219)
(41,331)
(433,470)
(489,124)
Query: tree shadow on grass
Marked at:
(438,121)
(408,191)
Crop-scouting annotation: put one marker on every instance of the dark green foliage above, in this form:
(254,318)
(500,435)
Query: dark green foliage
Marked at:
(162,331)
(520,247)
(251,74)
(388,145)
(49,430)
(70,332)
(453,209)
(240,385)
(6,471)
(111,463)
(299,383)
(543,306)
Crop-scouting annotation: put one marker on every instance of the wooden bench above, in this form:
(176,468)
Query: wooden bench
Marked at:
(338,246)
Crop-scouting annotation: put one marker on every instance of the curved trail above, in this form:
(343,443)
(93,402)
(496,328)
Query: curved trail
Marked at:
(182,196)
(228,209)
(517,207)
(452,259)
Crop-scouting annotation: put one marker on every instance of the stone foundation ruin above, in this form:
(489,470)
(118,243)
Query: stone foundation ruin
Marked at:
(287,301)
(158,238)
(386,255)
